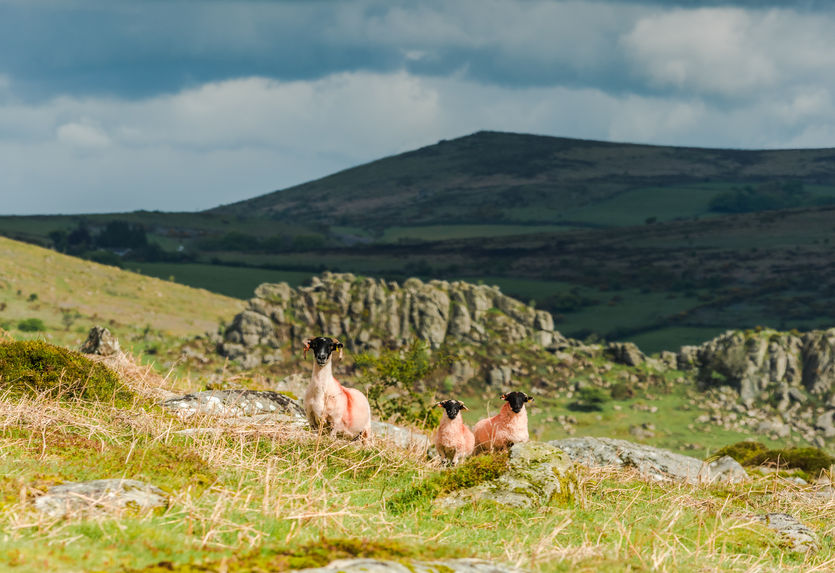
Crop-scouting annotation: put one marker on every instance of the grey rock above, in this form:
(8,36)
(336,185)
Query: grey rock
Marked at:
(234,403)
(536,473)
(824,423)
(655,463)
(774,427)
(413,566)
(100,341)
(797,536)
(405,438)
(103,495)
(342,305)
(626,353)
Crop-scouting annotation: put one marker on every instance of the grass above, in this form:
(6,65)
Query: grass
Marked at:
(237,282)
(71,295)
(275,498)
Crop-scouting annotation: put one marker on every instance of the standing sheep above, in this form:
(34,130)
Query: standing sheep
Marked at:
(508,427)
(453,439)
(327,403)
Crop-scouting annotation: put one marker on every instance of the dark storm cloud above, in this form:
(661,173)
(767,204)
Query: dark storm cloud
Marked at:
(186,105)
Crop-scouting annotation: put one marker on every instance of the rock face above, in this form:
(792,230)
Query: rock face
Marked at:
(101,341)
(654,463)
(366,314)
(103,495)
(767,364)
(447,565)
(537,473)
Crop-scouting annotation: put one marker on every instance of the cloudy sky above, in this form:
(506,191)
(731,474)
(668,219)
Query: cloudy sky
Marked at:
(110,105)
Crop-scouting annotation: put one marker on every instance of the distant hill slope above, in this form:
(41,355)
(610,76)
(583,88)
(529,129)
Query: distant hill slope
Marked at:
(492,177)
(40,283)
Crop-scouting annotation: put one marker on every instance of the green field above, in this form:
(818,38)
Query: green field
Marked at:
(446,232)
(238,282)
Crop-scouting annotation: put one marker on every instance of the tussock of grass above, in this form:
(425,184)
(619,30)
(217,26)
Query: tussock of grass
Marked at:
(35,367)
(810,460)
(309,555)
(472,472)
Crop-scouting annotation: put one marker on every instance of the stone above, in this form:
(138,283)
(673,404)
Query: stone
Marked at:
(774,427)
(335,304)
(368,565)
(402,437)
(796,535)
(824,423)
(100,341)
(537,472)
(100,496)
(653,463)
(234,403)
(626,353)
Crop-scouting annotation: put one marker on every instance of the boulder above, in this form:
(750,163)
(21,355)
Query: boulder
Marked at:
(402,437)
(235,403)
(537,472)
(654,463)
(100,341)
(626,353)
(100,496)
(368,565)
(795,534)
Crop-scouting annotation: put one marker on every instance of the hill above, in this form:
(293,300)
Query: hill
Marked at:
(491,177)
(66,296)
(658,245)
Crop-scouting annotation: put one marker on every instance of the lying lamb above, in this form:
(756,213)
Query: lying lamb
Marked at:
(453,439)
(327,403)
(508,427)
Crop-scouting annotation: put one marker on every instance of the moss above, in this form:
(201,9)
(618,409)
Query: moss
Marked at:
(171,466)
(34,367)
(810,460)
(743,452)
(311,555)
(472,472)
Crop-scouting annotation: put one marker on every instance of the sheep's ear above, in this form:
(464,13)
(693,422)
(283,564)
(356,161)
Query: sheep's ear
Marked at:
(307,346)
(463,407)
(528,398)
(503,396)
(439,405)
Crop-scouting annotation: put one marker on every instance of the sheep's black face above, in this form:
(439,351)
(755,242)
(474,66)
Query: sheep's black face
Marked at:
(322,348)
(452,407)
(517,400)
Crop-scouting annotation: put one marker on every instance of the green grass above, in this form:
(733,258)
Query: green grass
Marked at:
(275,498)
(238,282)
(72,295)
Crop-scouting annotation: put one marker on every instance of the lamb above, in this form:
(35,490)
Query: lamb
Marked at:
(327,403)
(453,439)
(508,427)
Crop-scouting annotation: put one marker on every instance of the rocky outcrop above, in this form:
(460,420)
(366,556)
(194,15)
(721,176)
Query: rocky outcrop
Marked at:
(100,341)
(767,365)
(100,496)
(537,472)
(654,463)
(367,314)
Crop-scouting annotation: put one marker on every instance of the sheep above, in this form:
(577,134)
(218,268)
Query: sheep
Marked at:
(453,439)
(327,403)
(508,427)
